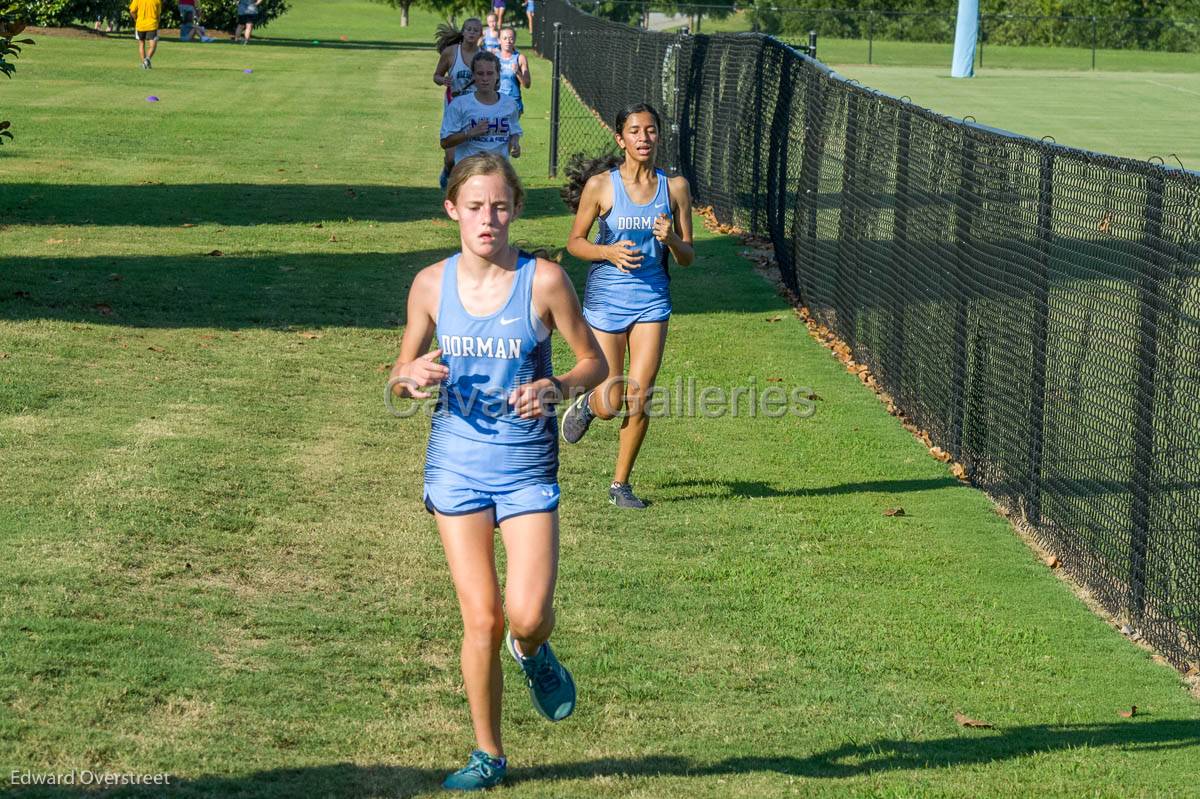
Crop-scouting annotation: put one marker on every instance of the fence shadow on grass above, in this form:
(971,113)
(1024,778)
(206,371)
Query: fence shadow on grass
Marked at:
(974,748)
(235,204)
(754,489)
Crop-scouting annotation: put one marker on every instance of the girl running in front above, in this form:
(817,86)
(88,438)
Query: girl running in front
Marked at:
(644,217)
(491,35)
(453,70)
(483,120)
(492,458)
(514,68)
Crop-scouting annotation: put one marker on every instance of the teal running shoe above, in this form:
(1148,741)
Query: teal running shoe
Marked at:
(481,772)
(550,685)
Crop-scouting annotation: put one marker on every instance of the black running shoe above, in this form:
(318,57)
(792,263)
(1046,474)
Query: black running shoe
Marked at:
(621,495)
(576,419)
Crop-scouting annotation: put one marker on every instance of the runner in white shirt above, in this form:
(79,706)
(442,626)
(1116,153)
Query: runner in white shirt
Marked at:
(484,120)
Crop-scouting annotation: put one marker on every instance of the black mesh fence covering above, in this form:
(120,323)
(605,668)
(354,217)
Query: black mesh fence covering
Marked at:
(1035,308)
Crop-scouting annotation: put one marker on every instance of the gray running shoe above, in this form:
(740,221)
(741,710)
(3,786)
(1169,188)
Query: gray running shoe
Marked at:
(576,420)
(621,495)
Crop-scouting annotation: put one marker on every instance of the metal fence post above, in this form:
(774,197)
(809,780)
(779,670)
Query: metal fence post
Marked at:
(1093,42)
(805,219)
(965,215)
(556,74)
(1150,302)
(871,37)
(901,262)
(677,123)
(1041,329)
(979,38)
(845,282)
(812,44)
(756,178)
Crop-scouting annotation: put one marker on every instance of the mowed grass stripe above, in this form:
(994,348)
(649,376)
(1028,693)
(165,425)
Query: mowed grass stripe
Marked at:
(219,567)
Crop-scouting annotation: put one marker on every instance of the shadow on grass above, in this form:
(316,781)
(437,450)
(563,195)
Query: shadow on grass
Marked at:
(345,780)
(337,44)
(248,289)
(172,35)
(233,291)
(236,204)
(754,489)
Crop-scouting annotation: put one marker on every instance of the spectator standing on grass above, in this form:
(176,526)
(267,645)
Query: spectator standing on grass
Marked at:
(530,7)
(145,15)
(247,11)
(498,10)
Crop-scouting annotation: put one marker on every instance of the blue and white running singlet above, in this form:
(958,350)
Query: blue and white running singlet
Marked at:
(462,79)
(510,84)
(614,301)
(481,454)
(491,43)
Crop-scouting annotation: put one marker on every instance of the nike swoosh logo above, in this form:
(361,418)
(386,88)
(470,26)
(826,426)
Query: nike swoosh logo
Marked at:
(510,321)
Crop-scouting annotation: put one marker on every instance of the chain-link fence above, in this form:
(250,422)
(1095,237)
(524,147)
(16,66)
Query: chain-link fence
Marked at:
(1034,308)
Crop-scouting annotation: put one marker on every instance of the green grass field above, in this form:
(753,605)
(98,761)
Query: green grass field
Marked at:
(217,565)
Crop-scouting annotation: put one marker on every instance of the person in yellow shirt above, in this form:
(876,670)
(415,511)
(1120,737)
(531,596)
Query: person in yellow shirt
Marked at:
(145,15)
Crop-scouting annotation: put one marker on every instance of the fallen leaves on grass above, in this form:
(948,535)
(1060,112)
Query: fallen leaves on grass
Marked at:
(309,334)
(3,355)
(1128,714)
(966,721)
(894,512)
(55,241)
(940,454)
(1052,561)
(154,348)
(215,254)
(187,224)
(775,318)
(318,225)
(960,471)
(774,379)
(333,237)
